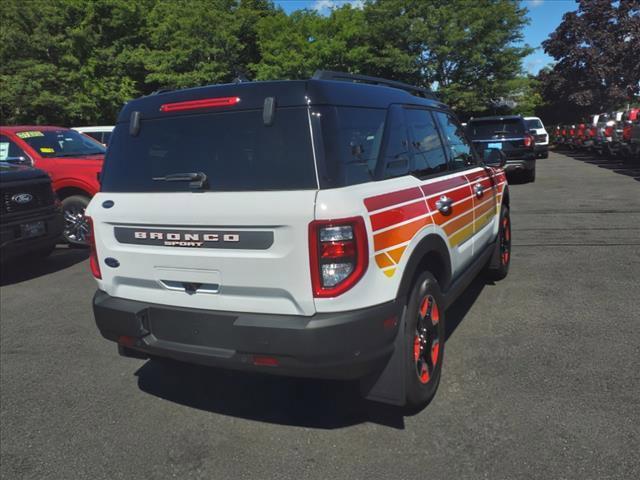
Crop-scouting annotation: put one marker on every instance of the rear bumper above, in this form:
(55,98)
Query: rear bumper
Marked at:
(345,345)
(13,245)
(541,149)
(520,164)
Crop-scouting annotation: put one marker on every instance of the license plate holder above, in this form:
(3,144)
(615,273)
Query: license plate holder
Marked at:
(33,229)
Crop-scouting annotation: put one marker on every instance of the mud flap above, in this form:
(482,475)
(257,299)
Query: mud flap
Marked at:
(388,386)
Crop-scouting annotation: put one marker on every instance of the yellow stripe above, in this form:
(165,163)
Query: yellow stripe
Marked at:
(461,235)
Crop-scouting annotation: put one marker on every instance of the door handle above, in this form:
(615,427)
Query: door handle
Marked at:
(479,190)
(444,205)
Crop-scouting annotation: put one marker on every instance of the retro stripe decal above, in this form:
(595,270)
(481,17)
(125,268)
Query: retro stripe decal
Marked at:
(396,217)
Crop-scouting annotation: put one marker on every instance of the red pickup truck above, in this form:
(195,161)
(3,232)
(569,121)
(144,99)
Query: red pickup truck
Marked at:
(72,160)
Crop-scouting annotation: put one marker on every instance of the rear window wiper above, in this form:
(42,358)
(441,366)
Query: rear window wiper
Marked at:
(195,179)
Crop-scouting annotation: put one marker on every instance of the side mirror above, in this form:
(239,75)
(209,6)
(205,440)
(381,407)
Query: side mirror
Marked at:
(494,157)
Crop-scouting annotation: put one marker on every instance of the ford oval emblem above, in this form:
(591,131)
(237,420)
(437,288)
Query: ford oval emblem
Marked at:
(22,198)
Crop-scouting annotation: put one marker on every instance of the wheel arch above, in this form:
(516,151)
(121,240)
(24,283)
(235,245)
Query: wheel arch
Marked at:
(430,254)
(66,192)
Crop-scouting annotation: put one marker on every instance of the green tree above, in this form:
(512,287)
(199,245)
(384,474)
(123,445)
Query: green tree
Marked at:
(200,42)
(68,61)
(596,49)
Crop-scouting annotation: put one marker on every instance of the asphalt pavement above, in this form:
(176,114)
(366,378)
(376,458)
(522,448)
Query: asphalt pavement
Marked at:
(541,376)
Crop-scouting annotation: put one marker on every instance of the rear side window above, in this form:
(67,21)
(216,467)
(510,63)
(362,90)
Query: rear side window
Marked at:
(235,150)
(460,150)
(351,141)
(428,153)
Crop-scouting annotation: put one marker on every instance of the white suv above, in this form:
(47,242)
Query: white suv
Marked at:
(540,135)
(314,228)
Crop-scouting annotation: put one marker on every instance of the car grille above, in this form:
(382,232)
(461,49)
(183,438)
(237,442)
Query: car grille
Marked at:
(541,138)
(41,193)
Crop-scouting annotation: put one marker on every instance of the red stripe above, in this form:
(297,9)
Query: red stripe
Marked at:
(398,214)
(437,187)
(392,198)
(476,175)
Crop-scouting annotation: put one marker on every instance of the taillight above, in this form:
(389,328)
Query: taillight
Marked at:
(338,253)
(608,131)
(528,141)
(93,255)
(203,103)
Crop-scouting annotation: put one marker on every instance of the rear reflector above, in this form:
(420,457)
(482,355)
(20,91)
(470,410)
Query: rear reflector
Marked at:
(94,263)
(126,341)
(195,104)
(263,361)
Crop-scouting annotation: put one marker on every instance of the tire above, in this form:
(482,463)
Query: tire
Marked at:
(424,341)
(498,267)
(75,226)
(530,175)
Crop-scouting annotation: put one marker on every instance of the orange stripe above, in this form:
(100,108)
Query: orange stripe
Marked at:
(396,254)
(398,235)
(383,260)
(459,209)
(459,222)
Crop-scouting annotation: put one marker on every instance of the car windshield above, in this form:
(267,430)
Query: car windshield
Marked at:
(61,143)
(491,128)
(534,123)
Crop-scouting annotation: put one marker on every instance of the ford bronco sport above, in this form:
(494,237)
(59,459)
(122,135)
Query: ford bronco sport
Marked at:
(315,228)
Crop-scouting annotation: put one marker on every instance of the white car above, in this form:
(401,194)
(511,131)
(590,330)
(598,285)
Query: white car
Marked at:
(536,128)
(100,133)
(313,228)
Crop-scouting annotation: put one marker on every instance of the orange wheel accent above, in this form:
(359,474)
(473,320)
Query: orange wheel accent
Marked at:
(435,350)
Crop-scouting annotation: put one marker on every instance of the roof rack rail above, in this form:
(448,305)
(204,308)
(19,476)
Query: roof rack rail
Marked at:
(355,78)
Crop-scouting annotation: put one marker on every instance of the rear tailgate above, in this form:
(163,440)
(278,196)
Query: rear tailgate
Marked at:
(235,238)
(226,251)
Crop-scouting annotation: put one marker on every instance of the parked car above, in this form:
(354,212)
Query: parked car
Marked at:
(540,135)
(510,135)
(73,161)
(101,134)
(31,222)
(600,140)
(315,228)
(590,132)
(630,143)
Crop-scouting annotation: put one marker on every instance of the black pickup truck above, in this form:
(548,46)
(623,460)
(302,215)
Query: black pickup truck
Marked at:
(31,219)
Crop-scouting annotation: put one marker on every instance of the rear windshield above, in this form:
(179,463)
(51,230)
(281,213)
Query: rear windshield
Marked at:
(490,128)
(235,150)
(535,123)
(61,143)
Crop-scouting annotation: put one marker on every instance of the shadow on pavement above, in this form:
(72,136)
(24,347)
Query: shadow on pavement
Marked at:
(307,403)
(618,165)
(27,268)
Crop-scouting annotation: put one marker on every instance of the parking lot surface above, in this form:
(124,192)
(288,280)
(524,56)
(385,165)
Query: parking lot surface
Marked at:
(540,379)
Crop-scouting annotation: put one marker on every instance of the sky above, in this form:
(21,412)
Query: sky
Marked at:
(545,16)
